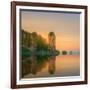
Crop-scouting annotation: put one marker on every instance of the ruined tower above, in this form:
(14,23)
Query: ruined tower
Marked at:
(52,41)
(52,47)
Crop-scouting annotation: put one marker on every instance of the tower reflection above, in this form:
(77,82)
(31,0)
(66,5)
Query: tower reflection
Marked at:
(51,64)
(34,65)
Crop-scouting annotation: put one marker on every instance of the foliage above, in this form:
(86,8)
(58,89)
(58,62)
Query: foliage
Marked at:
(64,52)
(41,43)
(25,52)
(35,43)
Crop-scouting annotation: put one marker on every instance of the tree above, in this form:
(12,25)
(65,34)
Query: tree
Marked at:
(64,52)
(41,43)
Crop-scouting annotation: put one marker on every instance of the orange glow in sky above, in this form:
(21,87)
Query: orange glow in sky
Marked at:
(66,27)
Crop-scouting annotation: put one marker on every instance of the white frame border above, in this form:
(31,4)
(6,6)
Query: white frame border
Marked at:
(51,79)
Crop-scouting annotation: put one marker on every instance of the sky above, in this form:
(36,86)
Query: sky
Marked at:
(66,27)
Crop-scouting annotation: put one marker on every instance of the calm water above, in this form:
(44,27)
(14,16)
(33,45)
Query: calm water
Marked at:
(62,65)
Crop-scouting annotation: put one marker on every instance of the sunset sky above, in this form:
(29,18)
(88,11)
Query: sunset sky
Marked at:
(66,27)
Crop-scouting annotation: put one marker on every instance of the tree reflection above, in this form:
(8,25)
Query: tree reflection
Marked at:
(36,53)
(33,65)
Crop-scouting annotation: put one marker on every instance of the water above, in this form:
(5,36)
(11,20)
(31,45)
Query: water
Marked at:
(62,65)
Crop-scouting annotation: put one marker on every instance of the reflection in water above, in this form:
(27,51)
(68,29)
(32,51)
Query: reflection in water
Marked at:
(62,65)
(33,65)
(51,66)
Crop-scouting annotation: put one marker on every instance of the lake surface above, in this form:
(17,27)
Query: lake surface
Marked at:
(62,65)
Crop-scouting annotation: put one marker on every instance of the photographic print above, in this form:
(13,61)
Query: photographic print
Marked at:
(49,44)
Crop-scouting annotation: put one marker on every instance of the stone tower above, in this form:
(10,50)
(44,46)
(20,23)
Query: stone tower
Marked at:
(52,41)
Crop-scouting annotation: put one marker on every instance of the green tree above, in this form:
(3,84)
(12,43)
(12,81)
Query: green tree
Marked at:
(41,43)
(64,52)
